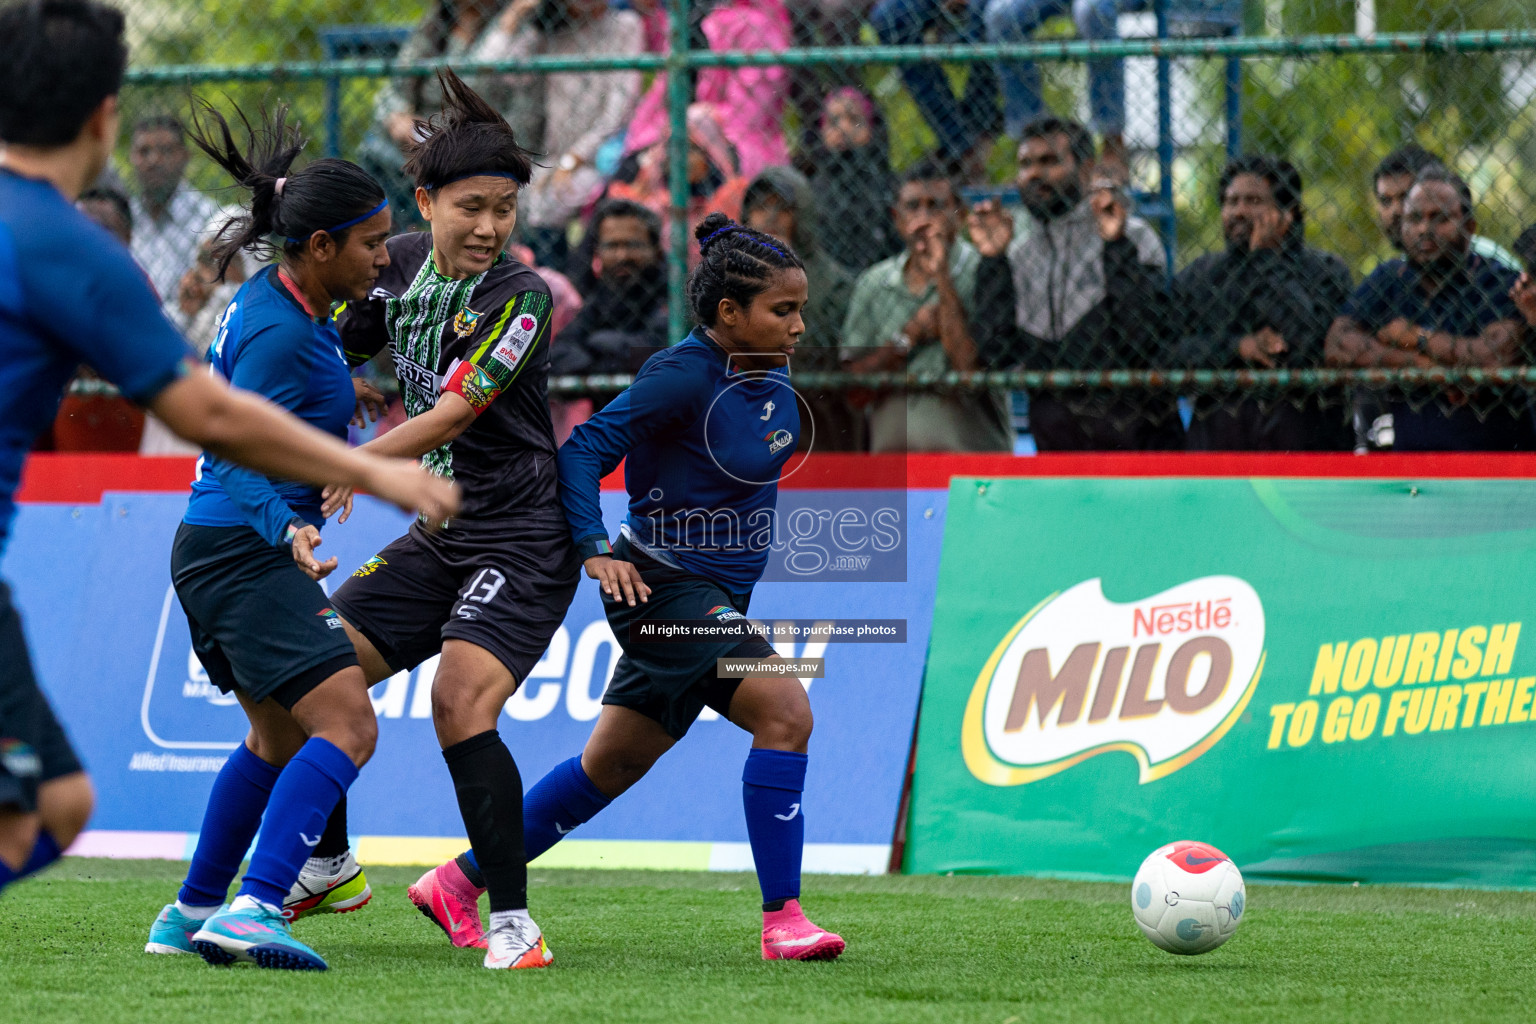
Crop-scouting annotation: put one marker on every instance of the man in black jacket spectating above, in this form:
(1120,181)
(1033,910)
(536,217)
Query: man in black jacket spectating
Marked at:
(1264,302)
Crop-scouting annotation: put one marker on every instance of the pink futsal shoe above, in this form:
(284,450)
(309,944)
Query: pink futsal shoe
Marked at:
(789,935)
(450,901)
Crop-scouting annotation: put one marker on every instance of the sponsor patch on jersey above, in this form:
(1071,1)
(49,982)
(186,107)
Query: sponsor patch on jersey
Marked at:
(725,613)
(331,618)
(474,385)
(465,323)
(19,758)
(368,568)
(416,377)
(511,349)
(779,440)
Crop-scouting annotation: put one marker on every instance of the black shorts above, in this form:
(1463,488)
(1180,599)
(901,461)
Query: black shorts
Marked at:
(258,623)
(33,747)
(672,682)
(502,584)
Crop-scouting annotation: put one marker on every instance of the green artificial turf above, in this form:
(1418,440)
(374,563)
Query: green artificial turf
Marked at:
(680,947)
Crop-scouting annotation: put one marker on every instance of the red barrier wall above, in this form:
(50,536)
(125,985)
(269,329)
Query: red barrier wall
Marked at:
(79,478)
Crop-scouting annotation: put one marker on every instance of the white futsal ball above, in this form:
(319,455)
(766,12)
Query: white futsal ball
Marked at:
(1188,897)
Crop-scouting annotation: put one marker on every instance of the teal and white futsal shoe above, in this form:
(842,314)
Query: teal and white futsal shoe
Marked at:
(252,932)
(172,932)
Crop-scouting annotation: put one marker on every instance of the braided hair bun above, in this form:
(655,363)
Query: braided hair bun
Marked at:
(737,264)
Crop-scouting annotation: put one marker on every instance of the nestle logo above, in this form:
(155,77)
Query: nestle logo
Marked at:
(1184,617)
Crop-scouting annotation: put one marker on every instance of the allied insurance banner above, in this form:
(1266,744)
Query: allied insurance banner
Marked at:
(1326,678)
(112,649)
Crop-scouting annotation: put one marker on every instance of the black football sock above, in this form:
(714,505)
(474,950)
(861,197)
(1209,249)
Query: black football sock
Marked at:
(490,793)
(471,871)
(333,841)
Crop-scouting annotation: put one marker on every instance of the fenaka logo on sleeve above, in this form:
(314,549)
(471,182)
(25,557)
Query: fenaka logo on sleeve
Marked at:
(1162,679)
(514,346)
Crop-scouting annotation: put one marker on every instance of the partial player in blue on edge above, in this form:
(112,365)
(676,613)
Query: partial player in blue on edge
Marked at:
(70,294)
(244,563)
(707,424)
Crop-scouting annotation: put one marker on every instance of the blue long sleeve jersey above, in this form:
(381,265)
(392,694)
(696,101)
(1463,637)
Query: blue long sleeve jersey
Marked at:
(69,294)
(269,344)
(705,444)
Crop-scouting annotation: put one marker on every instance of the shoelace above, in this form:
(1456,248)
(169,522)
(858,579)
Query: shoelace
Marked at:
(525,931)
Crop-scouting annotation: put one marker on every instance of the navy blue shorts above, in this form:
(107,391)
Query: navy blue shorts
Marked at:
(33,746)
(258,623)
(671,683)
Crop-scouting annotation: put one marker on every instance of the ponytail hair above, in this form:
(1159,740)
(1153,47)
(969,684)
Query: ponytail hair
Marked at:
(737,264)
(468,139)
(286,207)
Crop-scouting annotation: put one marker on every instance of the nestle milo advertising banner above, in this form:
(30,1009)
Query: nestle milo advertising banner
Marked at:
(1327,679)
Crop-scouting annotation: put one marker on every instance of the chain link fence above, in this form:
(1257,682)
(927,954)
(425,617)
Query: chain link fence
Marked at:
(1100,224)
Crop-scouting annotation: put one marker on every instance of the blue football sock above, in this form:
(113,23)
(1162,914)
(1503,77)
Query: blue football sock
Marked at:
(240,793)
(771,784)
(306,791)
(45,850)
(558,803)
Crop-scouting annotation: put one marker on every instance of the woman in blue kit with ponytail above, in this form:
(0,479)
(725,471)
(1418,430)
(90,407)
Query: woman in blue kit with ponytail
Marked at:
(243,562)
(708,424)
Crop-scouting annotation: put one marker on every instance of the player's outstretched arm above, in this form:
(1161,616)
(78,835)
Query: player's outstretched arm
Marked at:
(256,434)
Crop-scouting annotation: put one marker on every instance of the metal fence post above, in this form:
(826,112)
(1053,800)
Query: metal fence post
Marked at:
(677,170)
(1165,143)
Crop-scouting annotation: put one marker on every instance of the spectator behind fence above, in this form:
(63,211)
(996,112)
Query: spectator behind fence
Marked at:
(1015,21)
(1265,301)
(751,98)
(111,209)
(1079,288)
(581,109)
(821,23)
(98,422)
(779,201)
(446,33)
(1441,305)
(201,298)
(1524,292)
(168,214)
(714,184)
(1394,176)
(196,309)
(912,312)
(850,166)
(964,126)
(623,317)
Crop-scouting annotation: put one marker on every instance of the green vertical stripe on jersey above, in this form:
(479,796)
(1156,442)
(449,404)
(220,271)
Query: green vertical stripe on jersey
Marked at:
(415,322)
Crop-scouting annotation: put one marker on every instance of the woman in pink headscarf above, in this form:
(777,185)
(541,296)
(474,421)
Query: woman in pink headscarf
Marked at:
(715,183)
(750,100)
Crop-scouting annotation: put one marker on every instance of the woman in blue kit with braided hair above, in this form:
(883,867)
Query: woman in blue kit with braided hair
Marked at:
(244,563)
(708,424)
